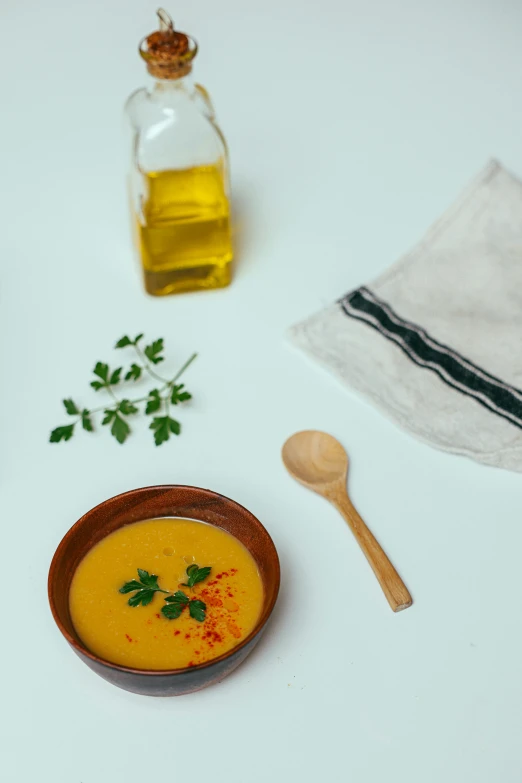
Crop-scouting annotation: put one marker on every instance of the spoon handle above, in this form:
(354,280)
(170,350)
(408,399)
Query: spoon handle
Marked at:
(393,587)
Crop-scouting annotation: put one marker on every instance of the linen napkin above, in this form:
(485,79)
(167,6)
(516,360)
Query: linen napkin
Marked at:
(436,341)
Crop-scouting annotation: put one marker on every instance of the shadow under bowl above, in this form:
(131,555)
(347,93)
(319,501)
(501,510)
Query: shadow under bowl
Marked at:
(148,503)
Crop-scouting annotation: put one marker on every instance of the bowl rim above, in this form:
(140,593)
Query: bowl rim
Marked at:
(84,651)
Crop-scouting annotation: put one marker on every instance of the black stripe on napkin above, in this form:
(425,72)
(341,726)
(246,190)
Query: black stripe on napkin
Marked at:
(455,370)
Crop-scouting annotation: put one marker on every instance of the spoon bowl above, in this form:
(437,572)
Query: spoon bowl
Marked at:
(315,459)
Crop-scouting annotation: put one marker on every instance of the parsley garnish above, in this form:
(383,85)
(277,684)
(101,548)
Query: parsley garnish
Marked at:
(145,588)
(197,610)
(159,399)
(179,601)
(175,604)
(196,574)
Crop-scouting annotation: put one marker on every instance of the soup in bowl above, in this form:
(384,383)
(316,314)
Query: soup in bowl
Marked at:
(164,590)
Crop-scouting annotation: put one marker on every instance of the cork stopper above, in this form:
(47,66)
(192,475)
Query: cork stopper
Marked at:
(167,52)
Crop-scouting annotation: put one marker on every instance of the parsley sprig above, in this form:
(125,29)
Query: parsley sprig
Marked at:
(147,585)
(179,601)
(158,400)
(196,574)
(145,588)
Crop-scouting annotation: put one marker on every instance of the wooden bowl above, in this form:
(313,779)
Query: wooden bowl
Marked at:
(148,503)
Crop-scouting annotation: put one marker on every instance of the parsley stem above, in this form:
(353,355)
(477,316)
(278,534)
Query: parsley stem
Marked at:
(180,372)
(116,400)
(142,399)
(133,402)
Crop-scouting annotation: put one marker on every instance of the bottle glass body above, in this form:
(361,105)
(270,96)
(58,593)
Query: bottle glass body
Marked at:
(179,188)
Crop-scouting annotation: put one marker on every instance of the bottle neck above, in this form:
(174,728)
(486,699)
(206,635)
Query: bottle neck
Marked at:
(164,87)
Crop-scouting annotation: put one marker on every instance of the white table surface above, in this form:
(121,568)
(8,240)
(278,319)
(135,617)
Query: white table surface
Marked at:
(351,126)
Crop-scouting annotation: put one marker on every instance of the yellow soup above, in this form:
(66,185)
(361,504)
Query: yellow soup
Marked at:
(215,613)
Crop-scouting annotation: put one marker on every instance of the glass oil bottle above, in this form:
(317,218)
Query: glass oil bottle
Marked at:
(179,174)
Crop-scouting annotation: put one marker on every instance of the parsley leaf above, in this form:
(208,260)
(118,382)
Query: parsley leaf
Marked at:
(134,374)
(124,341)
(178,395)
(71,408)
(177,602)
(102,371)
(172,611)
(143,590)
(120,429)
(178,597)
(62,433)
(197,610)
(175,605)
(86,420)
(129,587)
(109,416)
(196,574)
(115,377)
(154,402)
(163,426)
(161,430)
(127,408)
(153,350)
(143,597)
(151,580)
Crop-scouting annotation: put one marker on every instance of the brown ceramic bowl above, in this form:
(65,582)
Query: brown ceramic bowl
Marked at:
(146,503)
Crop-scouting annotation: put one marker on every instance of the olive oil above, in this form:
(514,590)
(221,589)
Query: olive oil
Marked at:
(184,230)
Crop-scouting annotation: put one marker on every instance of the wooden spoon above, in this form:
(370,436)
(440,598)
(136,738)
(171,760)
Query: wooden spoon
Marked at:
(318,461)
